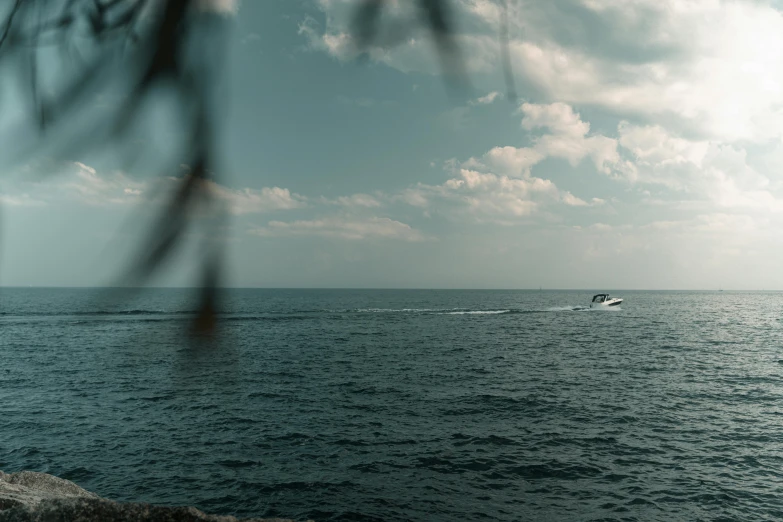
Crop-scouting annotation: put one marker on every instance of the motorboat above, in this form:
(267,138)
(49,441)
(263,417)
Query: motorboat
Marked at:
(604,301)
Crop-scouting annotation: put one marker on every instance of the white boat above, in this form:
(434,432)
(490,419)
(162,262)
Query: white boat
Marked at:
(604,301)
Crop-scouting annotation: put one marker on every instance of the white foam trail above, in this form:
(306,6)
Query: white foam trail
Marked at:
(436,311)
(478,312)
(567,309)
(405,310)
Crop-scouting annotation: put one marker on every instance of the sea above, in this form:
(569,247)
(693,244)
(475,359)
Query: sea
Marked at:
(398,405)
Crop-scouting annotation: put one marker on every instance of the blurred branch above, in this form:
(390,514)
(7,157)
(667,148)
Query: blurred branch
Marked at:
(148,46)
(508,72)
(163,34)
(438,16)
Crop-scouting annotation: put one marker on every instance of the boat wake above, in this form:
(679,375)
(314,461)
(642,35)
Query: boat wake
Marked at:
(568,309)
(468,311)
(103,316)
(435,311)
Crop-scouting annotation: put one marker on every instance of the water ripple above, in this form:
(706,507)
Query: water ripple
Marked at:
(405,405)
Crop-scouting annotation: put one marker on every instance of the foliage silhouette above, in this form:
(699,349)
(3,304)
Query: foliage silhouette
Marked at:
(143,48)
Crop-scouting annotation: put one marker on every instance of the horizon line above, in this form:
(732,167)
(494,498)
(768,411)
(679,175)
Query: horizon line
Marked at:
(131,288)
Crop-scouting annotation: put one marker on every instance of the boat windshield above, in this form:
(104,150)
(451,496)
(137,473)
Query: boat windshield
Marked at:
(600,298)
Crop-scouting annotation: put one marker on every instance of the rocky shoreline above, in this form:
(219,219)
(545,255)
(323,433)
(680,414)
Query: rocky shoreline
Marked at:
(28,496)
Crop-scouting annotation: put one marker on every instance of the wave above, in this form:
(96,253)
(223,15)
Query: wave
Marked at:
(139,312)
(92,313)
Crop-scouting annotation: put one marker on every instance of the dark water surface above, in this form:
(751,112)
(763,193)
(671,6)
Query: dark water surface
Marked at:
(404,405)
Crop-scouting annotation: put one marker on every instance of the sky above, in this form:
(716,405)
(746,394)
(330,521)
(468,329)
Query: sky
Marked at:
(643,151)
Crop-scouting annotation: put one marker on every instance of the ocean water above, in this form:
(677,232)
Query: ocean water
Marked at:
(404,405)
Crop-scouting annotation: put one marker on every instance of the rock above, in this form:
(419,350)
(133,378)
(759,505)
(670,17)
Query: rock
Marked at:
(28,488)
(28,496)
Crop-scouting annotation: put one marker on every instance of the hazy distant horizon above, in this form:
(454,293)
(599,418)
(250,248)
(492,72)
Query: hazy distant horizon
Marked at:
(478,289)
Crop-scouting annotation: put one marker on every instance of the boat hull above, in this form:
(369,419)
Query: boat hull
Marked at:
(607,304)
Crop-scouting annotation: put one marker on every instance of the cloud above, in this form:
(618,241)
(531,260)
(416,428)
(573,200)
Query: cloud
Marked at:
(486,100)
(250,201)
(710,66)
(653,144)
(559,118)
(355,201)
(567,139)
(415,197)
(698,175)
(717,173)
(402,42)
(573,201)
(488,196)
(84,184)
(499,185)
(510,160)
(568,135)
(699,79)
(352,229)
